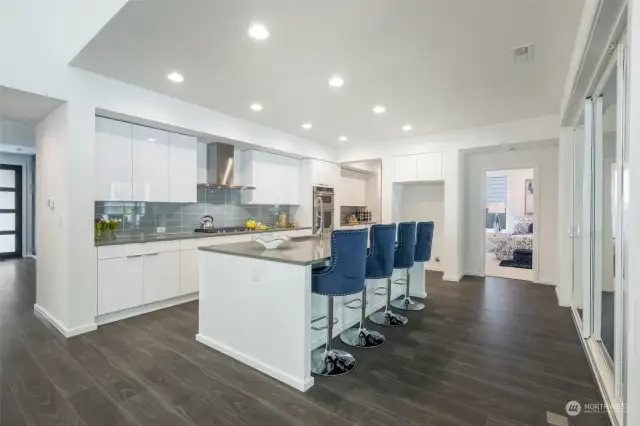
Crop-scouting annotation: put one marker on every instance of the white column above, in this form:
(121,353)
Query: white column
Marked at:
(565,217)
(633,250)
(66,284)
(454,221)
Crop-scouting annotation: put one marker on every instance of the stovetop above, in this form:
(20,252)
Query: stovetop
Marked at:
(225,230)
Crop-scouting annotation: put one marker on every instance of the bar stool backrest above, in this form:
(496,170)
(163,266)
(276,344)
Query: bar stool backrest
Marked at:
(424,241)
(346,271)
(406,246)
(382,240)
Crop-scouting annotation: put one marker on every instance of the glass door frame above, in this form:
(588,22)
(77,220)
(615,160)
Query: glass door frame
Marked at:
(16,211)
(610,367)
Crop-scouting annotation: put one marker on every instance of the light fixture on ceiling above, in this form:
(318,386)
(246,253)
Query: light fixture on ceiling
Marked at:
(336,81)
(307,126)
(342,139)
(151,139)
(379,109)
(256,107)
(407,128)
(258,32)
(176,77)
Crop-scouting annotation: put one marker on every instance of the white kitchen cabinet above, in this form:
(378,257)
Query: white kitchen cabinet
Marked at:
(183,168)
(324,173)
(430,167)
(189,271)
(120,283)
(161,276)
(150,164)
(405,168)
(418,168)
(275,178)
(113,160)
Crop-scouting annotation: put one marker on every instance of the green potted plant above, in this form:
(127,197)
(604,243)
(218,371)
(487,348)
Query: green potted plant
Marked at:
(106,228)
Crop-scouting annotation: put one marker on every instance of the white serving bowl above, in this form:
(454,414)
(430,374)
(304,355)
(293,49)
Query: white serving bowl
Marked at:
(270,241)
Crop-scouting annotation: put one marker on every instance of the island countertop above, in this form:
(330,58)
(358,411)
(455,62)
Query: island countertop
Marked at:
(304,252)
(153,238)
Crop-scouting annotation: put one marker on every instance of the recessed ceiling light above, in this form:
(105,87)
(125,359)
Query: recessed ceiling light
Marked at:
(379,109)
(176,77)
(258,31)
(307,126)
(151,139)
(342,139)
(407,128)
(336,81)
(256,107)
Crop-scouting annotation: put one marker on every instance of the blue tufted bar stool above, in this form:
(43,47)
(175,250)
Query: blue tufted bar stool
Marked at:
(403,254)
(344,275)
(405,258)
(379,265)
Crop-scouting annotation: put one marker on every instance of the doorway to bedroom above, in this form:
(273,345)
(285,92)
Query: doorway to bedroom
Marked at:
(509,211)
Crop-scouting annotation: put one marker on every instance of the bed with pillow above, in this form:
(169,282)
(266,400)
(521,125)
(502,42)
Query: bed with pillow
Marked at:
(520,238)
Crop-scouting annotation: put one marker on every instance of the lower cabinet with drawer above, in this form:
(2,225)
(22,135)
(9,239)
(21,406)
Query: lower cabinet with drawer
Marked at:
(120,283)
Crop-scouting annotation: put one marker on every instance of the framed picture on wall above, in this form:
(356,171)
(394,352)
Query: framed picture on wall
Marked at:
(528,196)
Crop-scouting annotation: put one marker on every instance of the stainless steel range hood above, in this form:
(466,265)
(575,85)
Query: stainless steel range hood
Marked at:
(220,165)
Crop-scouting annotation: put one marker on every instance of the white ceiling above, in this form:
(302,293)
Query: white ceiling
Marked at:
(436,64)
(23,106)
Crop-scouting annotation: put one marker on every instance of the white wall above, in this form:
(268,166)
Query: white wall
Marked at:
(66,267)
(515,192)
(544,161)
(424,202)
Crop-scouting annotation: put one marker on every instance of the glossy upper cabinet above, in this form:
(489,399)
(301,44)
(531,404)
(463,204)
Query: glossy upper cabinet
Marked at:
(324,173)
(430,166)
(150,164)
(275,177)
(113,160)
(183,168)
(418,168)
(405,168)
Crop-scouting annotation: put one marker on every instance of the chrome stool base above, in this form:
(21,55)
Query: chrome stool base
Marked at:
(362,338)
(388,319)
(333,362)
(407,304)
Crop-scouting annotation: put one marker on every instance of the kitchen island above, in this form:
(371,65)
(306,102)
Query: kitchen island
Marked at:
(256,305)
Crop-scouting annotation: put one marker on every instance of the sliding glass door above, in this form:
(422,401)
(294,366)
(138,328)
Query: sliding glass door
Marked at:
(600,206)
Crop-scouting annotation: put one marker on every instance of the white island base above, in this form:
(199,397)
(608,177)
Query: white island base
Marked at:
(258,310)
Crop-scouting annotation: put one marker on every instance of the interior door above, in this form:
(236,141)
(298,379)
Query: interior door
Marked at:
(10,211)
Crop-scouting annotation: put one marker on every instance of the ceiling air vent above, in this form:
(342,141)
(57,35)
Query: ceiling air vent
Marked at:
(522,54)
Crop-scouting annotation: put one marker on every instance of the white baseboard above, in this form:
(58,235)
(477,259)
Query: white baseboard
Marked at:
(145,309)
(31,255)
(301,385)
(454,278)
(433,268)
(545,282)
(66,332)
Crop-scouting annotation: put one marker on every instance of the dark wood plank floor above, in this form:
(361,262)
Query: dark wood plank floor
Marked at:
(491,352)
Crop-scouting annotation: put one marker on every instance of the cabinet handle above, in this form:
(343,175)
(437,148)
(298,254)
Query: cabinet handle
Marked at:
(134,256)
(153,254)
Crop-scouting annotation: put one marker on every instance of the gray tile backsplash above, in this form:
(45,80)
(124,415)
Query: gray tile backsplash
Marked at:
(223,204)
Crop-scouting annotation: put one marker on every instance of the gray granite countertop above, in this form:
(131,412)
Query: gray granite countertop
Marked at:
(151,238)
(306,252)
(359,223)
